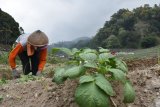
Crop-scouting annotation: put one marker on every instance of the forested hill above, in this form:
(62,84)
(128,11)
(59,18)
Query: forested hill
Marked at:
(139,28)
(9,29)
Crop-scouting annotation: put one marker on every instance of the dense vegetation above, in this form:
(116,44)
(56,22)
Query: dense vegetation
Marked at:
(9,28)
(139,28)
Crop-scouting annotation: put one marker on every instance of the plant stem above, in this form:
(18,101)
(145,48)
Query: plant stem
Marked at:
(114,104)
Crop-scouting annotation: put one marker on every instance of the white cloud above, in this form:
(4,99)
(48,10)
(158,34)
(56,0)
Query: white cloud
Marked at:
(66,19)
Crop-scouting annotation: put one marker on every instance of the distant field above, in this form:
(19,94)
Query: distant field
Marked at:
(139,53)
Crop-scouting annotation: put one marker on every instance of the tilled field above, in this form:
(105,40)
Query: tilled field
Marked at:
(45,93)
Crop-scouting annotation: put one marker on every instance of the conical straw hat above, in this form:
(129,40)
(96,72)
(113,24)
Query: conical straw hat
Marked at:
(38,38)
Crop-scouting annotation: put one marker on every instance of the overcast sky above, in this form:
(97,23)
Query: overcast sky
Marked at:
(65,20)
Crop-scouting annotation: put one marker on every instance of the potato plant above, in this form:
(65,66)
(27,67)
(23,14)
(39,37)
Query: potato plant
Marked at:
(95,70)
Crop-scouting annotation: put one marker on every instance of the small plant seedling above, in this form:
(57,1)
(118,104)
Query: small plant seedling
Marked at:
(3,81)
(29,77)
(1,98)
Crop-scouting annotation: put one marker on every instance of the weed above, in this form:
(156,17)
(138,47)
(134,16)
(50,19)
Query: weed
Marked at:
(3,81)
(27,78)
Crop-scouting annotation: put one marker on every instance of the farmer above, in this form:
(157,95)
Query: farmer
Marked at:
(32,51)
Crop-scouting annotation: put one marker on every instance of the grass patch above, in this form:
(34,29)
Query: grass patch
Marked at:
(141,54)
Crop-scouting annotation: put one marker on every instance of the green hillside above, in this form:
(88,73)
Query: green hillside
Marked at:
(9,28)
(139,28)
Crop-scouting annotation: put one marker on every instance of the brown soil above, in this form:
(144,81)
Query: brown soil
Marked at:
(141,63)
(40,93)
(45,93)
(146,83)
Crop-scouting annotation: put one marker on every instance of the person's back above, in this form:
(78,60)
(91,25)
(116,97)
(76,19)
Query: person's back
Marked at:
(22,38)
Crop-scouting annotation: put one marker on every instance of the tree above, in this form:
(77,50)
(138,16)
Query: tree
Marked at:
(9,29)
(111,42)
(21,30)
(149,41)
(141,28)
(130,27)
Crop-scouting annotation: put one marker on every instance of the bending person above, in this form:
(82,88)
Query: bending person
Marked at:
(32,51)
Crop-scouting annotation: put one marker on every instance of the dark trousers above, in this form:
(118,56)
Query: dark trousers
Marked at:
(30,63)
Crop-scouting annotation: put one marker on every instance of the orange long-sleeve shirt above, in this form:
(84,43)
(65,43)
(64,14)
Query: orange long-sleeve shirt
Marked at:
(18,49)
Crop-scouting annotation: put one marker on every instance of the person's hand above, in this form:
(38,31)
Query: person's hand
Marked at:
(15,74)
(39,73)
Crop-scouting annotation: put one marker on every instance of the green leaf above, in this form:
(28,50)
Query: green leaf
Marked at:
(112,62)
(118,75)
(102,50)
(75,50)
(89,95)
(121,65)
(104,84)
(54,50)
(58,76)
(104,57)
(129,93)
(72,62)
(102,69)
(90,65)
(91,57)
(67,51)
(89,50)
(74,72)
(86,78)
(26,78)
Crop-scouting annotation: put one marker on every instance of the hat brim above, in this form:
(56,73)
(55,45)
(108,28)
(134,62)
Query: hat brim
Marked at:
(38,45)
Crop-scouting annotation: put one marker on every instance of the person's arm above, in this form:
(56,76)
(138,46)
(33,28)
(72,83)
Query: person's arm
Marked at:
(42,60)
(13,55)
